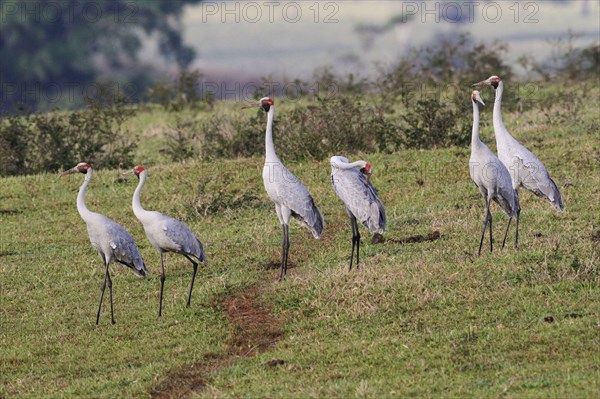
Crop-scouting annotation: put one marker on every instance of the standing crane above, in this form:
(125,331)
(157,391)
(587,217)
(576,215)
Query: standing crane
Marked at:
(351,182)
(109,238)
(491,177)
(525,169)
(166,235)
(290,196)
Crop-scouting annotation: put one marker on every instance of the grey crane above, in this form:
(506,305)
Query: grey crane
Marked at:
(491,177)
(525,169)
(110,239)
(351,182)
(166,235)
(290,196)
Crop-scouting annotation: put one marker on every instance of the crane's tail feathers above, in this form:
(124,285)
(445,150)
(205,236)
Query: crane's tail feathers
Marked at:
(314,222)
(138,268)
(557,202)
(202,256)
(143,272)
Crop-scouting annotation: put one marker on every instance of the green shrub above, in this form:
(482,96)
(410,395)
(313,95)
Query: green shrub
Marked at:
(234,135)
(49,142)
(180,95)
(180,143)
(14,133)
(432,124)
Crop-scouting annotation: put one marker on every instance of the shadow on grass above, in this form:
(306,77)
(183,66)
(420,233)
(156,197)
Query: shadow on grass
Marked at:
(10,212)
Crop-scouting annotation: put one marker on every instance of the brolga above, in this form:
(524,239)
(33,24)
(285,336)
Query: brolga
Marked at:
(166,235)
(491,177)
(110,239)
(525,169)
(290,196)
(351,182)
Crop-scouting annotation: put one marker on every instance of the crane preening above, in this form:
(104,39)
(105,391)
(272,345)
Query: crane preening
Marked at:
(525,169)
(491,178)
(166,235)
(112,241)
(351,182)
(290,196)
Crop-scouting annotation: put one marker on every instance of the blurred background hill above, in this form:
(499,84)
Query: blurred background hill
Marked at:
(53,53)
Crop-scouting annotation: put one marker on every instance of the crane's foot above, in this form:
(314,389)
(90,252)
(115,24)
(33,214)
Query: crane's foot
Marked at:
(377,239)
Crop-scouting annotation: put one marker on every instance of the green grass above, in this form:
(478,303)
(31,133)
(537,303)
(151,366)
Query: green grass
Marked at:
(426,319)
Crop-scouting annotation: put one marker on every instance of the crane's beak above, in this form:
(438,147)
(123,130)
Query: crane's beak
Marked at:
(482,83)
(129,172)
(251,105)
(70,171)
(476,96)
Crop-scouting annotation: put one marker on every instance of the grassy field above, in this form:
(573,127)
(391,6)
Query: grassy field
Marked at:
(420,318)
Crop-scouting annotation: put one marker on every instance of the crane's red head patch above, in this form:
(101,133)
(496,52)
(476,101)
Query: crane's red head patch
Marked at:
(495,81)
(366,170)
(83,167)
(139,169)
(266,103)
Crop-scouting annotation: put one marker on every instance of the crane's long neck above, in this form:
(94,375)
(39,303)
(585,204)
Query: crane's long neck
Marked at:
(475,140)
(135,202)
(345,165)
(270,155)
(84,212)
(499,128)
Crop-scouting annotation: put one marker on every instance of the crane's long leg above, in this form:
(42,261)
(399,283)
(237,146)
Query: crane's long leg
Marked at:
(102,288)
(112,314)
(490,221)
(485,222)
(286,250)
(162,284)
(506,232)
(517,228)
(195,264)
(282,252)
(357,243)
(352,224)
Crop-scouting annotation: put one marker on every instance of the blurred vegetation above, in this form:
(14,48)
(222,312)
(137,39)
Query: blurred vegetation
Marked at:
(422,103)
(64,46)
(183,94)
(36,143)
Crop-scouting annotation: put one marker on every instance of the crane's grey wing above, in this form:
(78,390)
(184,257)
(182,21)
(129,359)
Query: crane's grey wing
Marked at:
(361,199)
(124,249)
(535,178)
(382,224)
(506,196)
(183,238)
(295,196)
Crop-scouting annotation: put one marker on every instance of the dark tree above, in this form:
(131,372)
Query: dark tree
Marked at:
(51,50)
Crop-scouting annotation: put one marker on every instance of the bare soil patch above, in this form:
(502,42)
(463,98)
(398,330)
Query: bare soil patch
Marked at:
(276,264)
(254,330)
(432,236)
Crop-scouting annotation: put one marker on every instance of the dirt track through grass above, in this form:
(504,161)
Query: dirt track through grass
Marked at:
(253,330)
